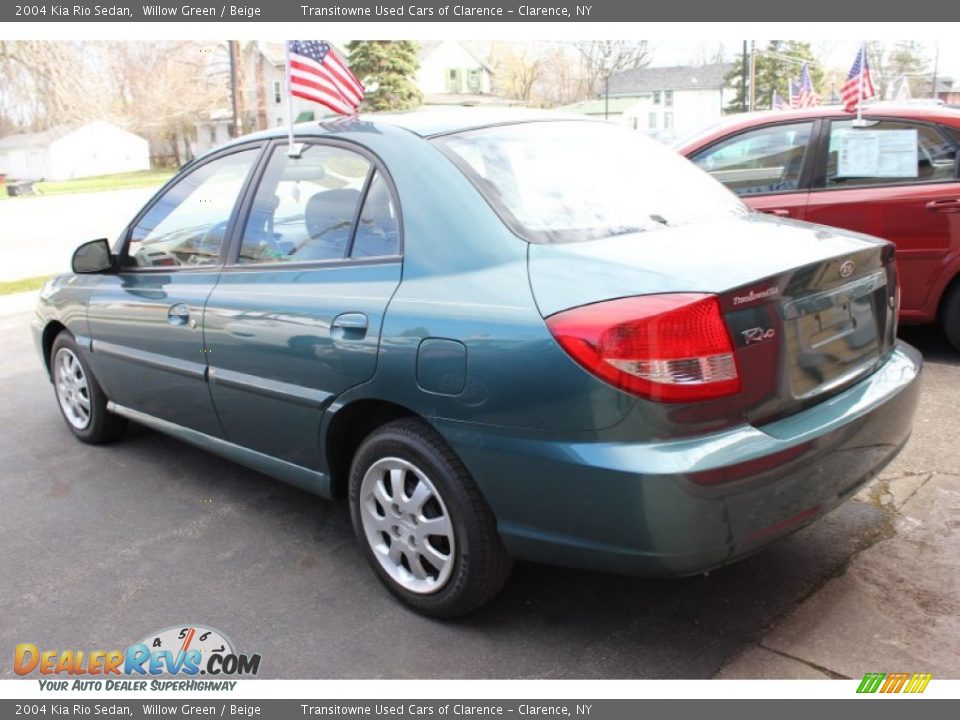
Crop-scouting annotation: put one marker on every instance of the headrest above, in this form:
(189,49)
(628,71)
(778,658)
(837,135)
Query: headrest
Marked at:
(330,209)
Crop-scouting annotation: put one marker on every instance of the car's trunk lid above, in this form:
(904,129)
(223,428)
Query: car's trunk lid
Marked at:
(810,309)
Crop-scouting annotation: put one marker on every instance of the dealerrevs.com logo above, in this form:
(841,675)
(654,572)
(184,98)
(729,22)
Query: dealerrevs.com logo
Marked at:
(186,651)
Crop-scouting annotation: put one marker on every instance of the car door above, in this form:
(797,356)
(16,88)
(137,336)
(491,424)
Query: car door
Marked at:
(295,319)
(768,166)
(897,180)
(145,320)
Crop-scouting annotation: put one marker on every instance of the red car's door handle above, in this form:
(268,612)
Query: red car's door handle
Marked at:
(949,205)
(779,212)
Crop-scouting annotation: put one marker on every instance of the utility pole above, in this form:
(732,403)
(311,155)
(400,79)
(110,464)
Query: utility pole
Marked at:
(753,75)
(936,64)
(234,89)
(744,71)
(606,96)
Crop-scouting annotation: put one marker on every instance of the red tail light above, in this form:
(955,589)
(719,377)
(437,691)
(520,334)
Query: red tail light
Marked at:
(669,348)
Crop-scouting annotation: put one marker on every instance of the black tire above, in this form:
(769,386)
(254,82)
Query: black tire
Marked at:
(479,564)
(101,426)
(950,315)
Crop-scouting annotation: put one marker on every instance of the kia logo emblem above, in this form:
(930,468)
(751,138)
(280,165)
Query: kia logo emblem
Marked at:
(846,270)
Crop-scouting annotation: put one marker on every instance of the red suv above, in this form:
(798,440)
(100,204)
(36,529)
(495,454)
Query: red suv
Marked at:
(896,175)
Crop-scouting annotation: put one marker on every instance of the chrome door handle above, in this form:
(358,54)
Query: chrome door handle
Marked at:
(349,326)
(179,314)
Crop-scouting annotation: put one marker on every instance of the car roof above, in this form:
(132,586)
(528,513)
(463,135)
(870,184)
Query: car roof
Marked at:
(423,122)
(930,112)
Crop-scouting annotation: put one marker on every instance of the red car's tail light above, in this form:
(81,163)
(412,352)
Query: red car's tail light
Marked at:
(668,348)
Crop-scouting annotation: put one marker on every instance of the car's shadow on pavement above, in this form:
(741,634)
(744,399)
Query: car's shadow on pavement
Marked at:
(929,340)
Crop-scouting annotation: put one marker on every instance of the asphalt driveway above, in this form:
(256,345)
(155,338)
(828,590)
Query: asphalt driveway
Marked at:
(102,545)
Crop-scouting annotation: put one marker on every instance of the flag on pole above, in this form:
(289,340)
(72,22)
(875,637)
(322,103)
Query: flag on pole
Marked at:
(778,102)
(317,73)
(794,94)
(807,96)
(859,84)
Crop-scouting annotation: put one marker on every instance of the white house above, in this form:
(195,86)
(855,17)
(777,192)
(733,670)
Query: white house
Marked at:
(672,101)
(450,70)
(65,152)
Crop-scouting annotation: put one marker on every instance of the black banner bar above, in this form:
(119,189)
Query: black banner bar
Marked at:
(474,11)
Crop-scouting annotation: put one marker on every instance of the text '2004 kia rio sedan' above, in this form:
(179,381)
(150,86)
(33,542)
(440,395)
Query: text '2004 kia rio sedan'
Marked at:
(499,337)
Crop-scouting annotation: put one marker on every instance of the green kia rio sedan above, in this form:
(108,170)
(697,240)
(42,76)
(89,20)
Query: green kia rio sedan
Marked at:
(498,336)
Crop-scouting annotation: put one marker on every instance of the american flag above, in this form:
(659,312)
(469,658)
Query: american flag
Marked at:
(778,102)
(794,94)
(850,92)
(317,73)
(807,97)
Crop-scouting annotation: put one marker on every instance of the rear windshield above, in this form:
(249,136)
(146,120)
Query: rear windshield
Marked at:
(568,181)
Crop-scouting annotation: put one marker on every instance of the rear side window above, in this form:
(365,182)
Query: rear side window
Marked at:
(888,152)
(305,208)
(765,160)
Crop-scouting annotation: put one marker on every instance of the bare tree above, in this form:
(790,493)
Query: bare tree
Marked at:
(43,85)
(560,81)
(156,89)
(517,68)
(602,58)
(902,59)
(162,89)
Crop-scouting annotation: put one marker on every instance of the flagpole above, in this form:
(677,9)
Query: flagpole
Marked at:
(291,150)
(863,72)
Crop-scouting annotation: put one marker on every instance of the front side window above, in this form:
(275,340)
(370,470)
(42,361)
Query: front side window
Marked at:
(305,207)
(574,180)
(765,160)
(186,226)
(888,152)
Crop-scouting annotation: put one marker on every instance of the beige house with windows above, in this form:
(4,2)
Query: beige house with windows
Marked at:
(451,73)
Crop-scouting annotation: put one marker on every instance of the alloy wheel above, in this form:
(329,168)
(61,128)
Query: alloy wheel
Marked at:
(407,525)
(73,391)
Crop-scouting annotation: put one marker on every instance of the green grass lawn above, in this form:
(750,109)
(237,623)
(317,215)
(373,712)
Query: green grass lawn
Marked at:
(101,182)
(8,287)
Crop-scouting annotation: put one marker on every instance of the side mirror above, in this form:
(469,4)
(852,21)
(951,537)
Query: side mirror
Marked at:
(93,257)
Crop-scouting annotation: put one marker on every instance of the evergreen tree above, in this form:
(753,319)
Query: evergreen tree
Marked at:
(386,68)
(774,73)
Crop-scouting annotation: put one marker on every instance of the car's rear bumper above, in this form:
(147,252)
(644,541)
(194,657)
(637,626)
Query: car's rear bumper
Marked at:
(688,505)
